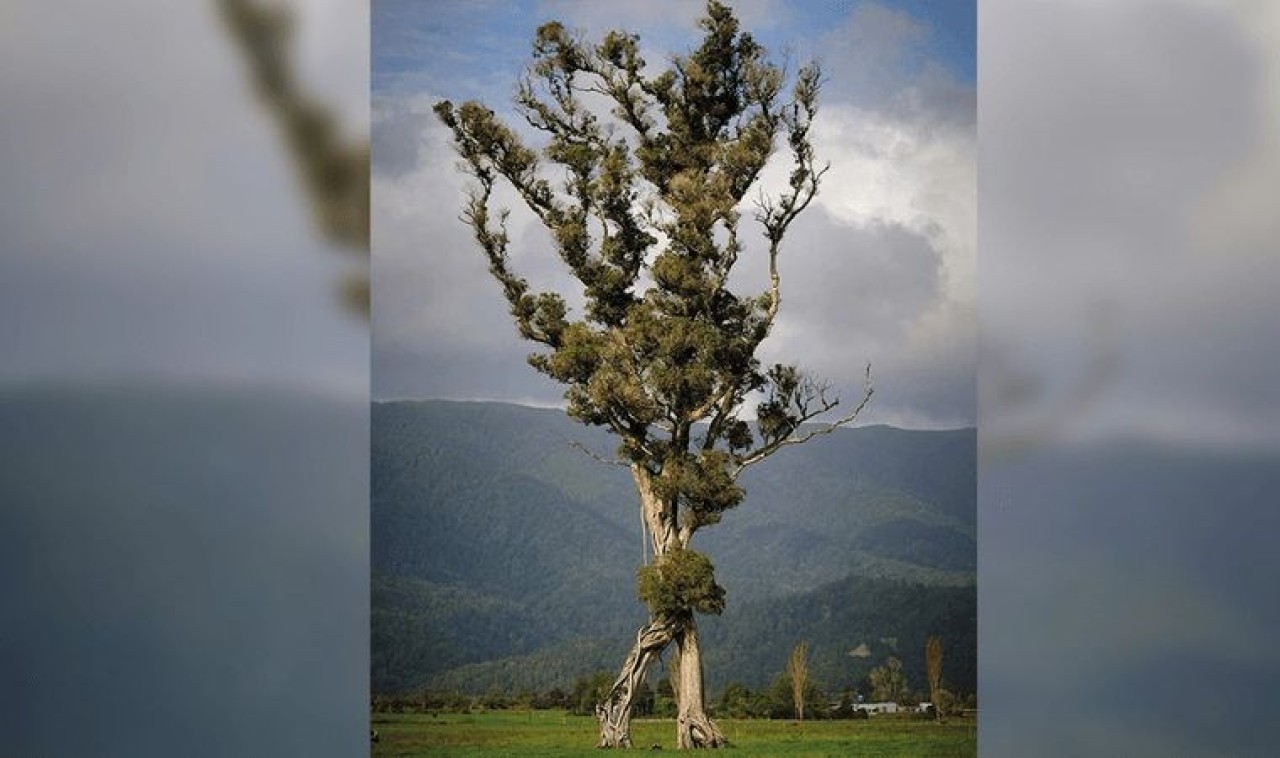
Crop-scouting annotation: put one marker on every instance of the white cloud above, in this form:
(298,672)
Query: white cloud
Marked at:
(914,174)
(882,267)
(1135,178)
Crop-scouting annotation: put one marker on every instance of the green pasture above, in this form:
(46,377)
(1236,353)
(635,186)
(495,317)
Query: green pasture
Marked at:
(556,733)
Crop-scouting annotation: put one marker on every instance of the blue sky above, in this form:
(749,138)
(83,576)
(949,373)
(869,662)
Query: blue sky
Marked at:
(423,45)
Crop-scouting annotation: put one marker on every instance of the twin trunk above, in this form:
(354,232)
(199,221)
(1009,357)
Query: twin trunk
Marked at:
(694,729)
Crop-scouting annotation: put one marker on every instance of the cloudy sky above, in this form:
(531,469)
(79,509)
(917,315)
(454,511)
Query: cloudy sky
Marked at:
(1127,221)
(880,269)
(1130,408)
(151,222)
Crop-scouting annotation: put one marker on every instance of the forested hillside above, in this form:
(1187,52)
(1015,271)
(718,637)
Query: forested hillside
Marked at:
(504,557)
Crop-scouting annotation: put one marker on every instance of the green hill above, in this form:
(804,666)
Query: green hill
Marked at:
(504,557)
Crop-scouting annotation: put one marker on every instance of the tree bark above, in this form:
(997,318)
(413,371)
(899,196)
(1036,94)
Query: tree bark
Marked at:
(694,729)
(614,714)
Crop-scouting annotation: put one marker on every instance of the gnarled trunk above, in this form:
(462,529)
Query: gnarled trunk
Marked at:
(614,713)
(694,729)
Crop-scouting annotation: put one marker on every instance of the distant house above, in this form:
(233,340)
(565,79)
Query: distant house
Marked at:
(877,707)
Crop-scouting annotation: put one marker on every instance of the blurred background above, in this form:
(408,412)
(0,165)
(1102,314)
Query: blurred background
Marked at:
(1129,410)
(184,383)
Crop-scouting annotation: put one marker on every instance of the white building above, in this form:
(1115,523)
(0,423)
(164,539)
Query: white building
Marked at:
(877,707)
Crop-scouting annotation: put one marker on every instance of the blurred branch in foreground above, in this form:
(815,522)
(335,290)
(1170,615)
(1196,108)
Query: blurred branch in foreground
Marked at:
(335,171)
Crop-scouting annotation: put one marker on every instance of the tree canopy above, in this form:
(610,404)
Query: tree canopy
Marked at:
(644,205)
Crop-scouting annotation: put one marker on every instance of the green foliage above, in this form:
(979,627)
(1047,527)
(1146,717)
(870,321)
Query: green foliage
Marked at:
(664,699)
(419,628)
(554,666)
(680,580)
(908,539)
(589,690)
(780,701)
(495,699)
(736,702)
(702,483)
(837,618)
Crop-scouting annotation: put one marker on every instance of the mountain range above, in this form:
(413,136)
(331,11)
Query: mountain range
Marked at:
(503,556)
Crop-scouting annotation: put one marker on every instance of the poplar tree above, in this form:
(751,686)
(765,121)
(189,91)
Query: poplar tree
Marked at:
(933,672)
(798,674)
(644,200)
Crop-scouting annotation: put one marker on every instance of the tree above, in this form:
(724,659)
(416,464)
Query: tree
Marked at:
(587,691)
(933,671)
(888,682)
(798,673)
(643,204)
(737,701)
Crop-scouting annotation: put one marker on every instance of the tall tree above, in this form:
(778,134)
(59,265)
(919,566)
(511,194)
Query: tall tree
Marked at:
(643,203)
(933,672)
(798,673)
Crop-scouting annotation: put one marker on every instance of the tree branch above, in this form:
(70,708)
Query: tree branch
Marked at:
(774,446)
(334,169)
(596,456)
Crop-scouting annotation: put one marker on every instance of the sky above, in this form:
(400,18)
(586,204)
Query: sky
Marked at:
(183,396)
(150,219)
(1127,221)
(881,268)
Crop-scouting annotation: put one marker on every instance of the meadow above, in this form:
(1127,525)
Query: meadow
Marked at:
(558,733)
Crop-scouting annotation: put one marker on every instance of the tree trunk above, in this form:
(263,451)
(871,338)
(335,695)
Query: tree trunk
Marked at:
(614,713)
(694,729)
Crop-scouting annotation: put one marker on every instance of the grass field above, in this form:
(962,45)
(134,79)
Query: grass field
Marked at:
(555,733)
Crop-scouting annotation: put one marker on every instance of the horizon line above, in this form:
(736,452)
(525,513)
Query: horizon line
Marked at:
(544,406)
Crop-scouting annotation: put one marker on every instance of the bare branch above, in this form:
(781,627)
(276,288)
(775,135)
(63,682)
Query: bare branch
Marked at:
(795,439)
(596,456)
